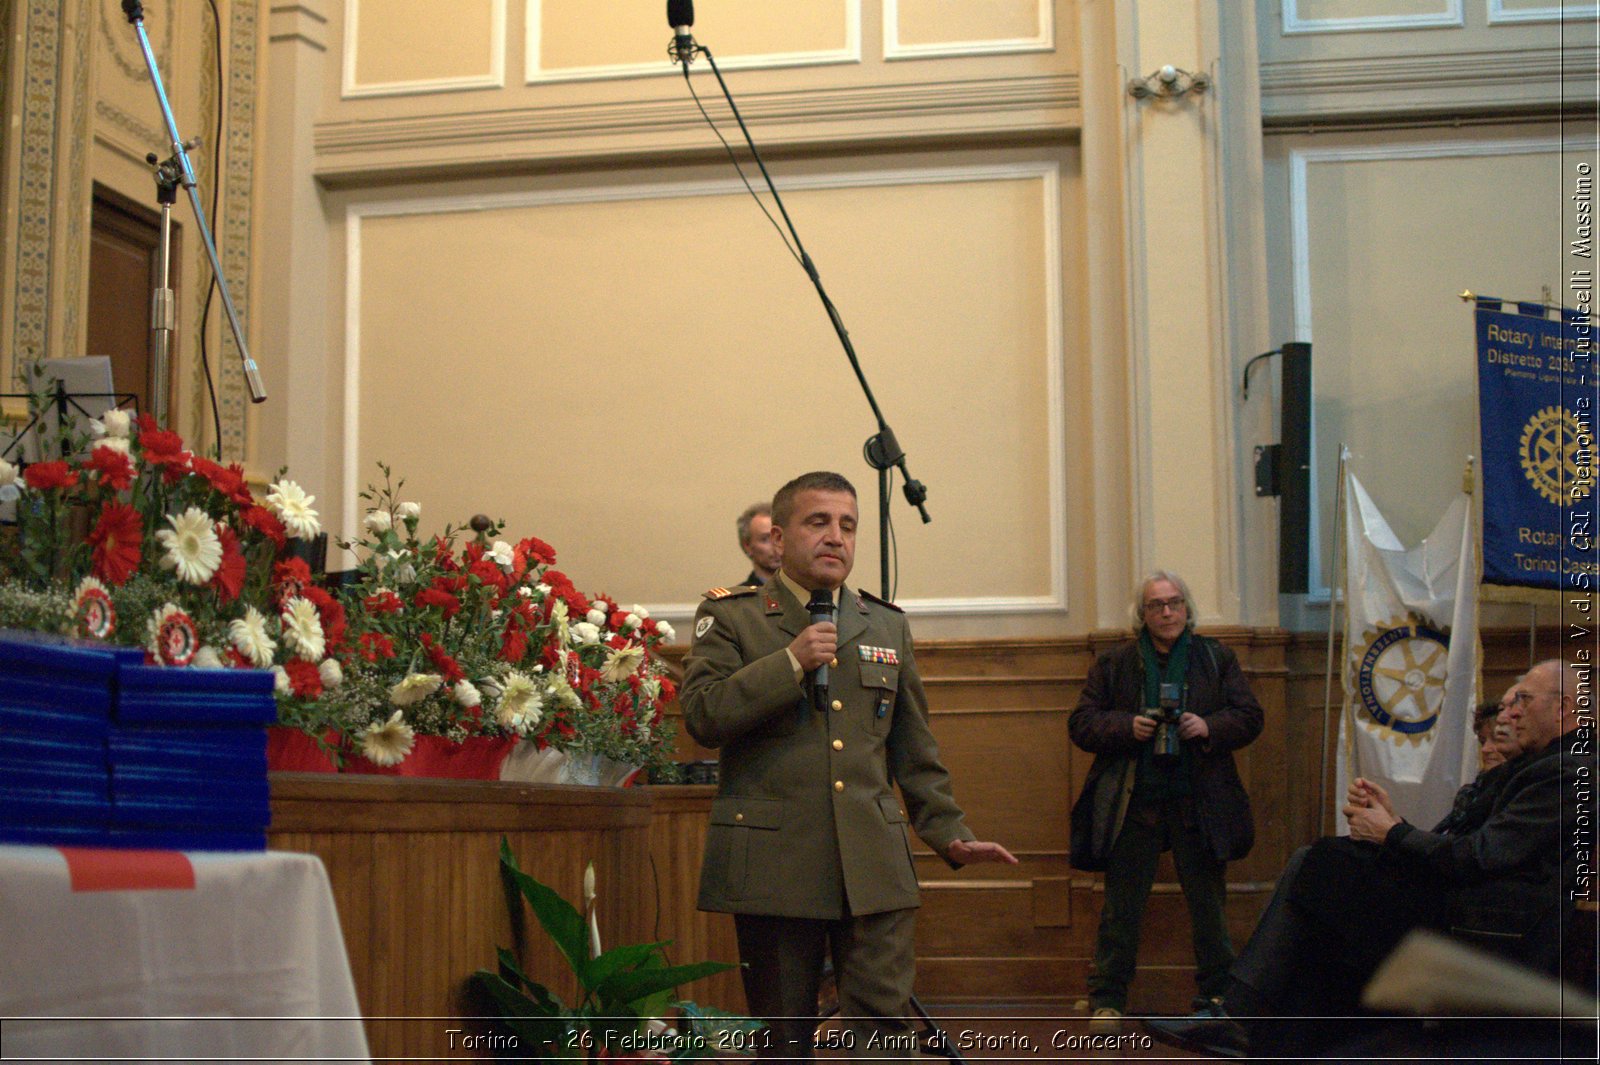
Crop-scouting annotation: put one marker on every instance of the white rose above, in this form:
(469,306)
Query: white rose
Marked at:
(641,611)
(631,621)
(501,554)
(584,632)
(408,511)
(668,633)
(331,672)
(466,694)
(596,616)
(377,521)
(120,444)
(116,423)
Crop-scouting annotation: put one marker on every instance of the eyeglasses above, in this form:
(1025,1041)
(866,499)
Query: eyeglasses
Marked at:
(1156,606)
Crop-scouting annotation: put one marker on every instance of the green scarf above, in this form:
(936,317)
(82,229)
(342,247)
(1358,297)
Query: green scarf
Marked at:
(1156,781)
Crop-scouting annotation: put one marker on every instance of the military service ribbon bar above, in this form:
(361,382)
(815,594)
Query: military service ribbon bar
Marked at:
(883,656)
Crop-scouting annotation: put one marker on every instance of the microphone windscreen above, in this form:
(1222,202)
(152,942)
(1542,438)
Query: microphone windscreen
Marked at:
(680,13)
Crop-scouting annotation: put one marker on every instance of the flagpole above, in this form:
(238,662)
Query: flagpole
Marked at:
(1334,583)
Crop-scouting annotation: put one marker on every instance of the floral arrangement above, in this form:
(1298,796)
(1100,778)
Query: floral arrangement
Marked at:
(139,541)
(487,637)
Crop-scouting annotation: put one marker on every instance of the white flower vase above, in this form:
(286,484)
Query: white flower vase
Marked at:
(581,769)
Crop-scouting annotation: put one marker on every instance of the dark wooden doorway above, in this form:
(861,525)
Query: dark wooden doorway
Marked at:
(124,265)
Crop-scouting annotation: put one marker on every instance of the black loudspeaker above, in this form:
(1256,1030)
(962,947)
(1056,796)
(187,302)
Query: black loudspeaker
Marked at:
(1294,471)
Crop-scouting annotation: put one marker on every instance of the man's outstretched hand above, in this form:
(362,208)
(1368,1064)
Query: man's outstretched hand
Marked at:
(973,851)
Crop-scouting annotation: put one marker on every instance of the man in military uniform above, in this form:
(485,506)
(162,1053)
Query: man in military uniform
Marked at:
(807,846)
(756,541)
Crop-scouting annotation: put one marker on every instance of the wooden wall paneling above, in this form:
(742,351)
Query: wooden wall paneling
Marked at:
(677,845)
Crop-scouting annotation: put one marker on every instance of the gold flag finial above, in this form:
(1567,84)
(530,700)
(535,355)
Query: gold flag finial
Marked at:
(1467,296)
(1468,482)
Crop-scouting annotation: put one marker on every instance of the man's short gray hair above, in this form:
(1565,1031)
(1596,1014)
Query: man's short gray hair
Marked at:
(751,513)
(1177,582)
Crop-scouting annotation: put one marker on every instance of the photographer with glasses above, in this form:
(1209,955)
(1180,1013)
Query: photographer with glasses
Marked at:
(1163,714)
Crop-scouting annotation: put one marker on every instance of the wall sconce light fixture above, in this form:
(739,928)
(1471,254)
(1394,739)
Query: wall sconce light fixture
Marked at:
(1168,83)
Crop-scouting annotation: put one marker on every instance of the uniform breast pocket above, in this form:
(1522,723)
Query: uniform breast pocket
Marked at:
(881,684)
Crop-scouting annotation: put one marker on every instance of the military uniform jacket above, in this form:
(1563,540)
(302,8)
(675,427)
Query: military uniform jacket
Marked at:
(806,822)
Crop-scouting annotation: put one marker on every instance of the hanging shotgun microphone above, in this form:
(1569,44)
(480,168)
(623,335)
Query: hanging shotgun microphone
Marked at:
(680,16)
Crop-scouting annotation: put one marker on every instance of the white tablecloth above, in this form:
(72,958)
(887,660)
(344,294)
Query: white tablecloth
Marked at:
(108,955)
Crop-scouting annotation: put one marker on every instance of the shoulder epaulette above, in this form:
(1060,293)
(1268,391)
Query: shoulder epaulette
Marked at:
(730,593)
(869,597)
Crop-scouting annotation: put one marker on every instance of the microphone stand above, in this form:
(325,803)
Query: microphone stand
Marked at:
(163,306)
(185,175)
(882,450)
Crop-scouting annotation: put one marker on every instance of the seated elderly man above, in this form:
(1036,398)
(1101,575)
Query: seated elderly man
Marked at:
(1490,872)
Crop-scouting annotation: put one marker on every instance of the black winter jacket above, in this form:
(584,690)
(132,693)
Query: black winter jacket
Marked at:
(1102,724)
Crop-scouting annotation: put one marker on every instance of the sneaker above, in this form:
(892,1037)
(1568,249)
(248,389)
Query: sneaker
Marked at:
(1106,1021)
(1214,1033)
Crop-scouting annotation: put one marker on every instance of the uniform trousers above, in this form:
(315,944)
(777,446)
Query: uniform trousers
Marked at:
(874,963)
(1130,871)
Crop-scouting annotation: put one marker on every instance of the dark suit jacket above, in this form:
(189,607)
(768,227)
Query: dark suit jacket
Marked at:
(806,819)
(1103,725)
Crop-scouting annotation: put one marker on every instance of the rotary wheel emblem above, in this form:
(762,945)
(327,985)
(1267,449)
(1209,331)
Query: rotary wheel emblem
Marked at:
(1400,673)
(1549,450)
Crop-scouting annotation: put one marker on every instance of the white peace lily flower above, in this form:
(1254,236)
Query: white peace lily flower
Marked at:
(207,658)
(115,424)
(331,672)
(408,511)
(585,633)
(378,521)
(280,681)
(388,743)
(251,639)
(302,629)
(293,506)
(192,546)
(466,695)
(621,663)
(501,554)
(596,616)
(521,703)
(415,688)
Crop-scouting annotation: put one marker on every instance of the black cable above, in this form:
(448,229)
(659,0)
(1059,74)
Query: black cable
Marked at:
(732,158)
(216,187)
(894,544)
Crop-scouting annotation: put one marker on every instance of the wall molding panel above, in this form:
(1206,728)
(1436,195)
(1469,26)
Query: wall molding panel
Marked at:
(1042,41)
(492,78)
(1448,14)
(1501,15)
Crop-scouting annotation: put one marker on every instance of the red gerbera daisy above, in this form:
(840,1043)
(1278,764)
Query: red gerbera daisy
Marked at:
(116,543)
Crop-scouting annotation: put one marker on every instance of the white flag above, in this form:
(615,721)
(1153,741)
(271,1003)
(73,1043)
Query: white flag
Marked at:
(1411,659)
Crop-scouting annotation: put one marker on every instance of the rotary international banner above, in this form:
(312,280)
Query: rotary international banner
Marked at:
(1411,658)
(1536,397)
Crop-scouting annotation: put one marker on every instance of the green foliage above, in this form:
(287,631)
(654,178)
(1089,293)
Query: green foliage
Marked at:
(619,990)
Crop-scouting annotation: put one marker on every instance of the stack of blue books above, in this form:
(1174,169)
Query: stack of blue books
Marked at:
(98,749)
(56,696)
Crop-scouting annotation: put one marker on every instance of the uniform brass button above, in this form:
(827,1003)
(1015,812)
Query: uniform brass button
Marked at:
(884,680)
(738,817)
(834,663)
(838,785)
(837,705)
(838,745)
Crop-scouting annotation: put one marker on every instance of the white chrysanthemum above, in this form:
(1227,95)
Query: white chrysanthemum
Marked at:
(521,703)
(415,688)
(466,695)
(280,681)
(621,663)
(640,611)
(302,629)
(632,621)
(668,633)
(251,638)
(331,672)
(115,424)
(192,546)
(207,658)
(408,511)
(387,743)
(596,616)
(8,473)
(378,521)
(501,554)
(584,633)
(293,506)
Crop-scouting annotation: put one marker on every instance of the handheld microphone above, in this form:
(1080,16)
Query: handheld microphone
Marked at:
(680,16)
(820,607)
